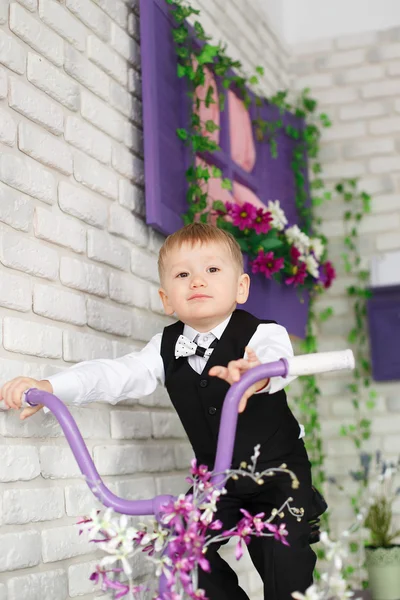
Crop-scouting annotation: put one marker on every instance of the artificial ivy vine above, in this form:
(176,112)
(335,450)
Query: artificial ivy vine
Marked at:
(195,52)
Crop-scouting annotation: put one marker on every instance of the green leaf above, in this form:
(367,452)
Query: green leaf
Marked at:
(181,70)
(226,184)
(216,172)
(260,70)
(207,54)
(211,126)
(219,206)
(182,134)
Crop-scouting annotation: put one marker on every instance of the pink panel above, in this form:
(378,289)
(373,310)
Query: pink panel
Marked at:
(243,194)
(210,113)
(243,150)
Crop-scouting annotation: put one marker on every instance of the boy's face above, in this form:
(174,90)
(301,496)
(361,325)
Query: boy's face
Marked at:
(202,284)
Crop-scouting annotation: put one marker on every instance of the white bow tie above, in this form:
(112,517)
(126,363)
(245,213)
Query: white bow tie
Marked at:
(184,347)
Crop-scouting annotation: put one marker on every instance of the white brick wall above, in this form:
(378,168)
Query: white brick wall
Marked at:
(78,267)
(360,90)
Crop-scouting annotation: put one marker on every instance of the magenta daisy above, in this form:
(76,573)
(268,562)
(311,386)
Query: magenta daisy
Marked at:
(266,263)
(263,220)
(243,216)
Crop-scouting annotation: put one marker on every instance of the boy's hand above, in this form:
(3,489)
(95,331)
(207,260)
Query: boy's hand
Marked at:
(12,391)
(235,369)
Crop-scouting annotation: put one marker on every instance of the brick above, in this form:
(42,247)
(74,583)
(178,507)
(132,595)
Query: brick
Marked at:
(58,304)
(167,425)
(85,206)
(385,52)
(393,68)
(96,177)
(344,132)
(128,165)
(83,276)
(108,318)
(128,425)
(384,126)
(19,252)
(104,248)
(102,116)
(155,301)
(393,404)
(133,26)
(158,398)
(15,209)
(31,505)
(85,346)
(183,455)
(116,10)
(313,47)
(385,203)
(61,543)
(36,35)
(39,586)
(123,223)
(135,83)
(92,422)
(79,500)
(57,463)
(360,74)
(52,81)
(314,81)
(25,175)
(36,107)
(386,164)
(44,425)
(144,265)
(63,23)
(391,444)
(59,230)
(368,148)
(156,241)
(19,550)
(127,289)
(8,128)
(29,4)
(3,83)
(45,148)
(379,223)
(339,60)
(88,139)
(19,463)
(91,16)
(107,60)
(336,96)
(31,338)
(126,46)
(90,76)
(79,579)
(131,197)
(133,458)
(388,241)
(146,324)
(171,485)
(356,40)
(12,54)
(125,103)
(15,291)
(122,349)
(3,19)
(362,111)
(381,89)
(135,489)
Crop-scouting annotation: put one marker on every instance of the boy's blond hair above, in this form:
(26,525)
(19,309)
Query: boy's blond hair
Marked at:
(202,233)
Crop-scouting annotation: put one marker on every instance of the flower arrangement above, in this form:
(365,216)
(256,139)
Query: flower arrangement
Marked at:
(277,250)
(381,494)
(177,543)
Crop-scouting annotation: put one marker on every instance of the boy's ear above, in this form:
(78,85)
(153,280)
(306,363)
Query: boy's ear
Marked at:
(243,288)
(164,299)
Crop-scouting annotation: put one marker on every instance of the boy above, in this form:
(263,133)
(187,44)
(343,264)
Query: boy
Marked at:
(197,358)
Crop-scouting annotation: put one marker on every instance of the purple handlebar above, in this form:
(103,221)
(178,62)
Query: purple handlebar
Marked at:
(226,439)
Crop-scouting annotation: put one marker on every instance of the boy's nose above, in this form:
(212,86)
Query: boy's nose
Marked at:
(198,281)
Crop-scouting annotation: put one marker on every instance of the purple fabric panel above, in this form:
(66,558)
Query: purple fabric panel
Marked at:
(280,303)
(384,332)
(164,111)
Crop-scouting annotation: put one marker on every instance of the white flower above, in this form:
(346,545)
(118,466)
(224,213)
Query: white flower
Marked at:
(312,593)
(312,266)
(299,239)
(279,219)
(317,247)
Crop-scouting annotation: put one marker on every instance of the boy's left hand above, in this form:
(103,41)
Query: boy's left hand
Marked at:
(235,369)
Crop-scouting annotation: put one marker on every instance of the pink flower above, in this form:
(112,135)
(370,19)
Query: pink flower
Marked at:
(243,216)
(262,222)
(280,532)
(327,274)
(298,270)
(266,263)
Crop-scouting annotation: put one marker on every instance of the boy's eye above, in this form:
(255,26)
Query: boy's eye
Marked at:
(213,269)
(183,274)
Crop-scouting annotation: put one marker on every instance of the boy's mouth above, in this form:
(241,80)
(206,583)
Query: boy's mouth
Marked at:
(198,296)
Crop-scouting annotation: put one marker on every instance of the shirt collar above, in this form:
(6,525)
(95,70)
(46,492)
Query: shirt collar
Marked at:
(217,331)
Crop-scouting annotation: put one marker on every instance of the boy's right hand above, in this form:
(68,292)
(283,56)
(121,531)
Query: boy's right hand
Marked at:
(12,391)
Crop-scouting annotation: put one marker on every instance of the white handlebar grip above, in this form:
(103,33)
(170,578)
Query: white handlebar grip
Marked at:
(320,362)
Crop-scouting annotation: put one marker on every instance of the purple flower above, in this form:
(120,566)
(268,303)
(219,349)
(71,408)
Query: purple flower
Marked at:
(280,532)
(327,274)
(243,216)
(262,221)
(297,269)
(266,263)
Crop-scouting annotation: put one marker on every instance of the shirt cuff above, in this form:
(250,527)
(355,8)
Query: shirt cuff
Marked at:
(66,386)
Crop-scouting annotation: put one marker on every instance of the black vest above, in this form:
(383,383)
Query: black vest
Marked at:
(198,399)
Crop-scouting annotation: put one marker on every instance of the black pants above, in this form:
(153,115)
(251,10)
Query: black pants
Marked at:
(283,569)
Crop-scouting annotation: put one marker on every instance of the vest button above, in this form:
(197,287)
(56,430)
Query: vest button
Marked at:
(203,382)
(212,410)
